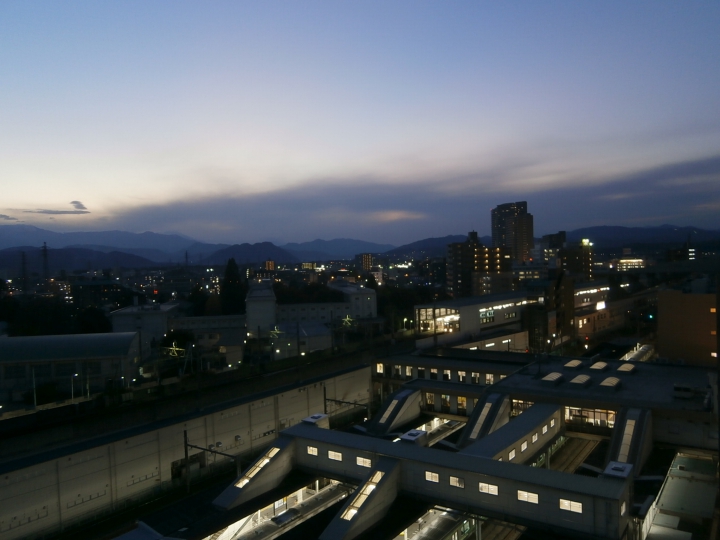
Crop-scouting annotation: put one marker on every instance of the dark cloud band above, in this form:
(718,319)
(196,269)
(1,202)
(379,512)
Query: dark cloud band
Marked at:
(56,212)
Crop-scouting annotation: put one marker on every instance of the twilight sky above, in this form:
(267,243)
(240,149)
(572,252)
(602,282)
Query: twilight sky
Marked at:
(243,121)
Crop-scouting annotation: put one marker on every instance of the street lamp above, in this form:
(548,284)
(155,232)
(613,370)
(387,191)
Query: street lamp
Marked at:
(404,325)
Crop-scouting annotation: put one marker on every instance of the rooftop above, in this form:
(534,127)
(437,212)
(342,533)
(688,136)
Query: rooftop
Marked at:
(66,347)
(147,308)
(647,386)
(479,300)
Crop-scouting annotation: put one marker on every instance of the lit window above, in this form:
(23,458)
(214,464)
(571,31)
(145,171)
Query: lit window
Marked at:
(488,488)
(544,429)
(335,456)
(388,411)
(312,451)
(622,509)
(362,496)
(552,423)
(571,506)
(523,446)
(408,371)
(528,497)
(534,437)
(257,467)
(713,310)
(432,476)
(511,455)
(380,368)
(457,482)
(364,462)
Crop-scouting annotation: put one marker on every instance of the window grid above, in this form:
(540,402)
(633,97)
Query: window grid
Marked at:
(527,496)
(432,476)
(457,482)
(523,446)
(335,456)
(490,489)
(363,462)
(511,455)
(571,506)
(312,450)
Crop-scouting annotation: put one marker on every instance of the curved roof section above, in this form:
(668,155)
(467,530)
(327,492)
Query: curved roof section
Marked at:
(66,347)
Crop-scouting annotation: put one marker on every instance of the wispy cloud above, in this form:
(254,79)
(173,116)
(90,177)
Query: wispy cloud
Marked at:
(373,208)
(712,206)
(5,217)
(79,209)
(396,215)
(55,212)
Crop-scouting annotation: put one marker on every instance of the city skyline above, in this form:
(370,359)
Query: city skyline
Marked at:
(389,123)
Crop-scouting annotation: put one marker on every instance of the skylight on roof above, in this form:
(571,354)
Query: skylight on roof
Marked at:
(573,364)
(627,367)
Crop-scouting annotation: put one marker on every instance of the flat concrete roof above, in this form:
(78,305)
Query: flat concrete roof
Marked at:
(602,487)
(650,386)
(261,291)
(146,308)
(523,425)
(451,388)
(66,347)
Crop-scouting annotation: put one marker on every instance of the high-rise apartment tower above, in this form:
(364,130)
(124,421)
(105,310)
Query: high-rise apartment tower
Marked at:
(512,228)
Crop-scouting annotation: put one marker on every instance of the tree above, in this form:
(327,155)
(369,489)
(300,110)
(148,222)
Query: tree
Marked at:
(232,290)
(197,298)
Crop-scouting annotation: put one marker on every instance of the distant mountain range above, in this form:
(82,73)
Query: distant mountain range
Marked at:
(430,247)
(618,237)
(112,249)
(69,259)
(340,248)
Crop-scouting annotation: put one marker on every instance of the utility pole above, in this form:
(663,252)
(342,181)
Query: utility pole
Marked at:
(187,462)
(34,389)
(23,263)
(46,265)
(235,458)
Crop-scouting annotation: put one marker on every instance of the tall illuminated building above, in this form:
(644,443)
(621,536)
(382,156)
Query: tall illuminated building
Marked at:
(474,270)
(512,228)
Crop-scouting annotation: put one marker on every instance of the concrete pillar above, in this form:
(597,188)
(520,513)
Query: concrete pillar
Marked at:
(453,404)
